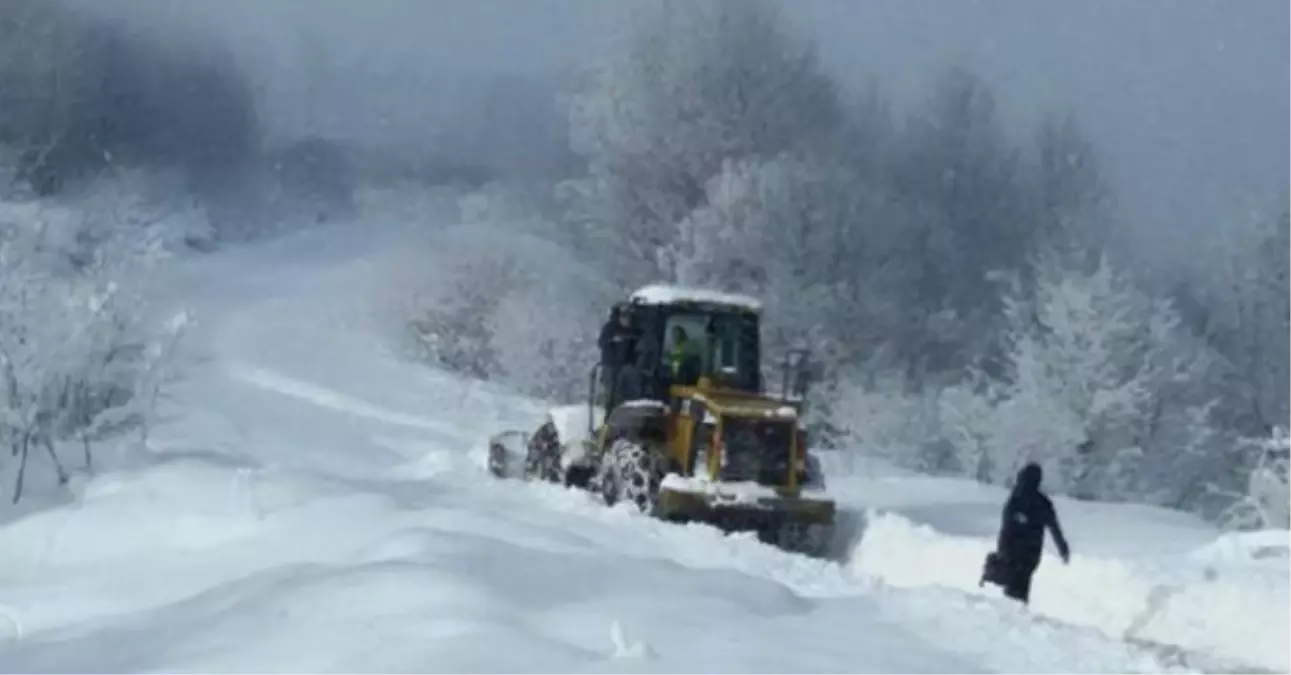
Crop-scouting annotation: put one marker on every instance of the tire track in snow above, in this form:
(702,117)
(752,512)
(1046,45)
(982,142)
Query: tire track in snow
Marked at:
(328,398)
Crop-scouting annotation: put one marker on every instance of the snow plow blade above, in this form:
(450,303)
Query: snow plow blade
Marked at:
(684,505)
(800,524)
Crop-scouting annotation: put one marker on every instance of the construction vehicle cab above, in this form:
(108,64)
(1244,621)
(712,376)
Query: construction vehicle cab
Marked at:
(679,338)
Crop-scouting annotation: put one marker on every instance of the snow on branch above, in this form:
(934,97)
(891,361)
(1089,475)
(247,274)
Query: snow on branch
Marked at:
(1083,372)
(1100,384)
(1265,503)
(490,300)
(78,359)
(696,85)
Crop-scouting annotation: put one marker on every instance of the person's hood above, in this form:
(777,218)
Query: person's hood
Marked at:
(1029,477)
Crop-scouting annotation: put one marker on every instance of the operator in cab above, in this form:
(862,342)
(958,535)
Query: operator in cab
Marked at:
(685,358)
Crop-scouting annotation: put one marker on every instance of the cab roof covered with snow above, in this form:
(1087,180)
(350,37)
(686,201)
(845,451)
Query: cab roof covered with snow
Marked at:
(669,294)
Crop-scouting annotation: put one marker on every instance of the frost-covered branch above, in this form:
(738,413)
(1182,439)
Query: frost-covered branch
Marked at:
(77,354)
(490,299)
(699,84)
(1101,385)
(1088,367)
(1265,500)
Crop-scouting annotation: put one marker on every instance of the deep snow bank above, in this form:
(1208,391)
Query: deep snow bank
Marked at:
(191,565)
(1230,598)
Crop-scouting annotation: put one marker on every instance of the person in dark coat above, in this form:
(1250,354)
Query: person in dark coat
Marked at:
(1027,514)
(618,350)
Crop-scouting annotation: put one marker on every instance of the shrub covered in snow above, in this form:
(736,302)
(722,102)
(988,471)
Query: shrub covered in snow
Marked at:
(1100,384)
(698,84)
(1264,501)
(79,358)
(807,238)
(487,300)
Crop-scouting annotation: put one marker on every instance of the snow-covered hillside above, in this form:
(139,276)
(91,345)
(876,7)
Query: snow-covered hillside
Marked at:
(313,504)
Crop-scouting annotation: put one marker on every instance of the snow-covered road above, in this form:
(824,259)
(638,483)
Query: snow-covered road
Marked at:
(316,505)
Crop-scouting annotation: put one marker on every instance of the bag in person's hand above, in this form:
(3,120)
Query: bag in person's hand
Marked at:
(994,570)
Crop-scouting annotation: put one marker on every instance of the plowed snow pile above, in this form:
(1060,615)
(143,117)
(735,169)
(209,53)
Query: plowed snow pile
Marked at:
(1137,574)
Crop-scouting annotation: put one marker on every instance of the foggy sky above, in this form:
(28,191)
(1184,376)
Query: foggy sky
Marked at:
(1187,100)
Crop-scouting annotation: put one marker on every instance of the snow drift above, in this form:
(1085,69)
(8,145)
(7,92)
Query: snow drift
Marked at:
(1228,598)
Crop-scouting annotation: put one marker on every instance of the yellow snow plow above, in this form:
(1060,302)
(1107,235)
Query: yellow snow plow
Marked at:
(683,427)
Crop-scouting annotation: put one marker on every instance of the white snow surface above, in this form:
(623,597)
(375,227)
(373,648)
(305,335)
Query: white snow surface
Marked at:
(665,294)
(313,504)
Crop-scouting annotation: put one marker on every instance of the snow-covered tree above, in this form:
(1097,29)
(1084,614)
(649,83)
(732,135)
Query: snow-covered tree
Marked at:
(698,84)
(1264,501)
(956,172)
(1085,366)
(1073,202)
(49,91)
(545,337)
(968,416)
(80,91)
(760,232)
(454,303)
(1248,312)
(78,359)
(1236,306)
(814,242)
(492,299)
(883,415)
(1183,442)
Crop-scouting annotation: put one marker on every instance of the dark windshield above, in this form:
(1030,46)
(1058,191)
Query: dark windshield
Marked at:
(726,343)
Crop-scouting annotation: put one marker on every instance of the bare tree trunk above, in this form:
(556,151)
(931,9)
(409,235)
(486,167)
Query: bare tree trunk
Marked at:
(58,466)
(21,451)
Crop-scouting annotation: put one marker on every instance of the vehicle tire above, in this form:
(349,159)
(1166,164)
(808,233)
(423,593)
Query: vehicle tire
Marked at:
(629,472)
(579,476)
(542,455)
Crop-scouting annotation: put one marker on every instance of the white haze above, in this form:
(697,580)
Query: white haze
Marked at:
(1187,102)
